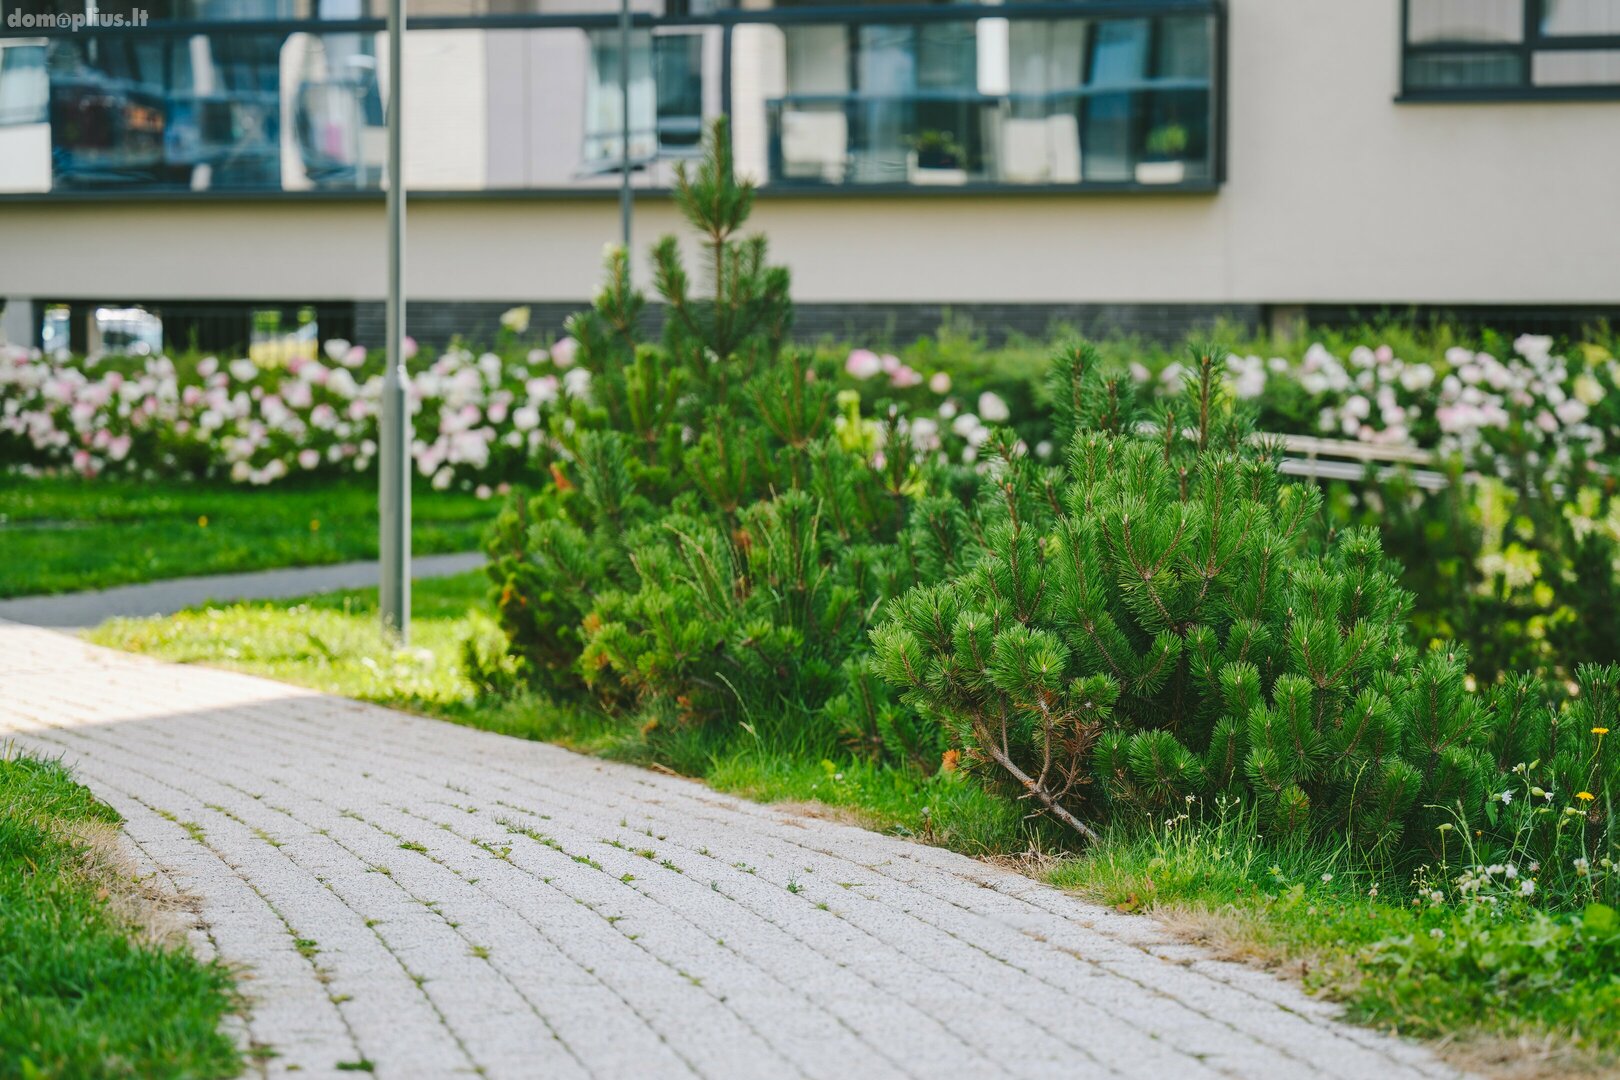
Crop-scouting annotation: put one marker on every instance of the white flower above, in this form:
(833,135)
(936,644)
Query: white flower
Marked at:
(244,370)
(964,425)
(1326,878)
(516,319)
(1572,411)
(577,383)
(1505,798)
(993,409)
(342,383)
(336,350)
(939,383)
(542,388)
(1415,377)
(1527,887)
(1437,933)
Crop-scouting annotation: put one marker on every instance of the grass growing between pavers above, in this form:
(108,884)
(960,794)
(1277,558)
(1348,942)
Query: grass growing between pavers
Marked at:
(1512,994)
(87,986)
(62,535)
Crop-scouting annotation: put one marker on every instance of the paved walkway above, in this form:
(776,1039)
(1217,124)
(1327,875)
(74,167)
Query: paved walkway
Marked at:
(75,611)
(439,901)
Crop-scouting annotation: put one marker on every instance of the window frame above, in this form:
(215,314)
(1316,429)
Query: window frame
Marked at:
(1532,41)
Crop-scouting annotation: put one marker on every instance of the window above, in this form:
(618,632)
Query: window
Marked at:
(1507,49)
(666,99)
(993,100)
(25,91)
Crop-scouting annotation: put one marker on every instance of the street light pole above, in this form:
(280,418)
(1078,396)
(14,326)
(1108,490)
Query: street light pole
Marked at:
(394,496)
(624,129)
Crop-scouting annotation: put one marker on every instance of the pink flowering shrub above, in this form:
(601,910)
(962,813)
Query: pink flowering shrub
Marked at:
(476,417)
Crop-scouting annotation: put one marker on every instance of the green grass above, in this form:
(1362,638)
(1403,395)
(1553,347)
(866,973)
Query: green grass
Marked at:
(59,535)
(81,992)
(1486,980)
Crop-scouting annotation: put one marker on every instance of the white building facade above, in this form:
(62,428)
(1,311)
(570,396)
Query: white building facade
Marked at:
(1122,164)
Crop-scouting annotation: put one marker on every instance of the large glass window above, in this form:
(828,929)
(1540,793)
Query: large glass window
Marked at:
(996,100)
(1464,49)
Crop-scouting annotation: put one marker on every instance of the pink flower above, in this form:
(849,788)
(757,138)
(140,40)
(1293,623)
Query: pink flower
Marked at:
(118,447)
(863,363)
(940,383)
(355,356)
(903,377)
(408,347)
(562,353)
(309,459)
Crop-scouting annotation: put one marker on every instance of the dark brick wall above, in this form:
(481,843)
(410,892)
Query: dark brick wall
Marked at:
(435,322)
(1567,320)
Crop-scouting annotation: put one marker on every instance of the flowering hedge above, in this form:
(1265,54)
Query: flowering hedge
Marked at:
(476,417)
(1532,409)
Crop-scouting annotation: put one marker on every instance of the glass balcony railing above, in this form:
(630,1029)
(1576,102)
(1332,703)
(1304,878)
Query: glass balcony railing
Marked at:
(1143,135)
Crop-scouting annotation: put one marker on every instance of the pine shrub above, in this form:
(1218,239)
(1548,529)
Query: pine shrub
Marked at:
(716,533)
(1159,622)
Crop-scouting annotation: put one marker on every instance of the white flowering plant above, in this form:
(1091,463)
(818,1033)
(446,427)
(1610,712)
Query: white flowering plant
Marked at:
(476,416)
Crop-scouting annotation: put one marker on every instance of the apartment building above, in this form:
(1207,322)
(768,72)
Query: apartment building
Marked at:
(212,169)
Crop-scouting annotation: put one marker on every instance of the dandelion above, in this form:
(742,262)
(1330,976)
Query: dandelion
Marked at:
(1600,731)
(1585,796)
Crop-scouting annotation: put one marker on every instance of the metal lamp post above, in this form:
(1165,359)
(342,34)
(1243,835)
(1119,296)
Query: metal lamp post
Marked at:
(394,502)
(624,129)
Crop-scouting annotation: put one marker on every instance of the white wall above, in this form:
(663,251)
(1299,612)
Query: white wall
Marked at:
(1334,194)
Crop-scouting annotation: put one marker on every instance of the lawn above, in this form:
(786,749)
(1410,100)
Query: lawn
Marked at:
(86,986)
(60,535)
(1520,993)
(1505,989)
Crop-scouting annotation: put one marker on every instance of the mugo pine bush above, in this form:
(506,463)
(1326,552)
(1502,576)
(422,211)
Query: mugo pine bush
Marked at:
(1158,622)
(717,533)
